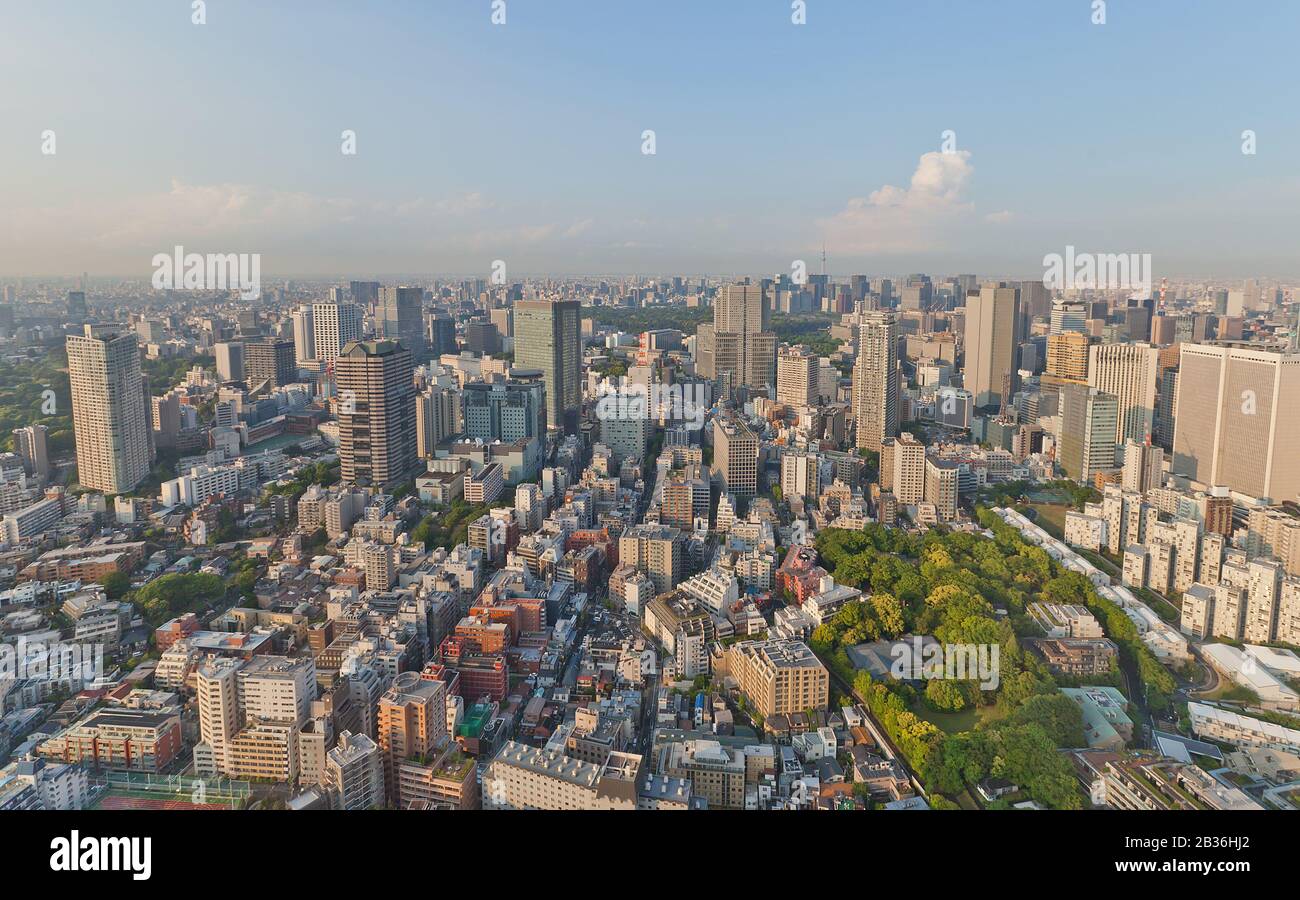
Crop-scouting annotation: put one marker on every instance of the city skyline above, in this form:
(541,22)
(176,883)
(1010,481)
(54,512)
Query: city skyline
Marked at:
(465,153)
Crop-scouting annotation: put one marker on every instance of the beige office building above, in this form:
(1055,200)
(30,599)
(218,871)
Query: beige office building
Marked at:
(992,318)
(333,326)
(217,699)
(1235,423)
(737,346)
(1067,358)
(902,468)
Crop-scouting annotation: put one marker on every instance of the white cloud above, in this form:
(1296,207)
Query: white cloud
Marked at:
(910,219)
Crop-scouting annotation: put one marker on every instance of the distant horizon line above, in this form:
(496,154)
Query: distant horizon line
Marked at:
(526,276)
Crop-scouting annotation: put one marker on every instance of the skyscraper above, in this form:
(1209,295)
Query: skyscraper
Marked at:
(740,342)
(33,449)
(442,336)
(78,312)
(1067,358)
(437,417)
(377,443)
(1069,315)
(304,335)
(333,325)
(1129,372)
(230,361)
(797,376)
(1089,420)
(109,417)
(363,293)
(1234,423)
(400,317)
(548,336)
(876,380)
(992,317)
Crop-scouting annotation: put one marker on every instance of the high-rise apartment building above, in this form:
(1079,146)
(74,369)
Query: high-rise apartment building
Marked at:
(992,333)
(411,723)
(1128,372)
(779,676)
(333,326)
(656,550)
(800,476)
(354,773)
(216,683)
(377,427)
(548,336)
(902,468)
(277,689)
(941,488)
(438,415)
(33,449)
(110,418)
(1143,467)
(1234,424)
(876,379)
(797,376)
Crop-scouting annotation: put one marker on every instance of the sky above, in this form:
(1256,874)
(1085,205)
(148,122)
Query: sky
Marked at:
(523,142)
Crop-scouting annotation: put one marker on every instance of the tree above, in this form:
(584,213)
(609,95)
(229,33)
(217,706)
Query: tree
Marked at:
(115,584)
(945,695)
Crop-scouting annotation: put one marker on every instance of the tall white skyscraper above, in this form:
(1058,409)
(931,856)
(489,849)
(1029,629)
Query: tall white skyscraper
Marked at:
(304,335)
(333,325)
(110,419)
(1129,372)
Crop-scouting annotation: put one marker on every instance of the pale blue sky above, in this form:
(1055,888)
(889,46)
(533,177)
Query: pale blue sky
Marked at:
(523,142)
